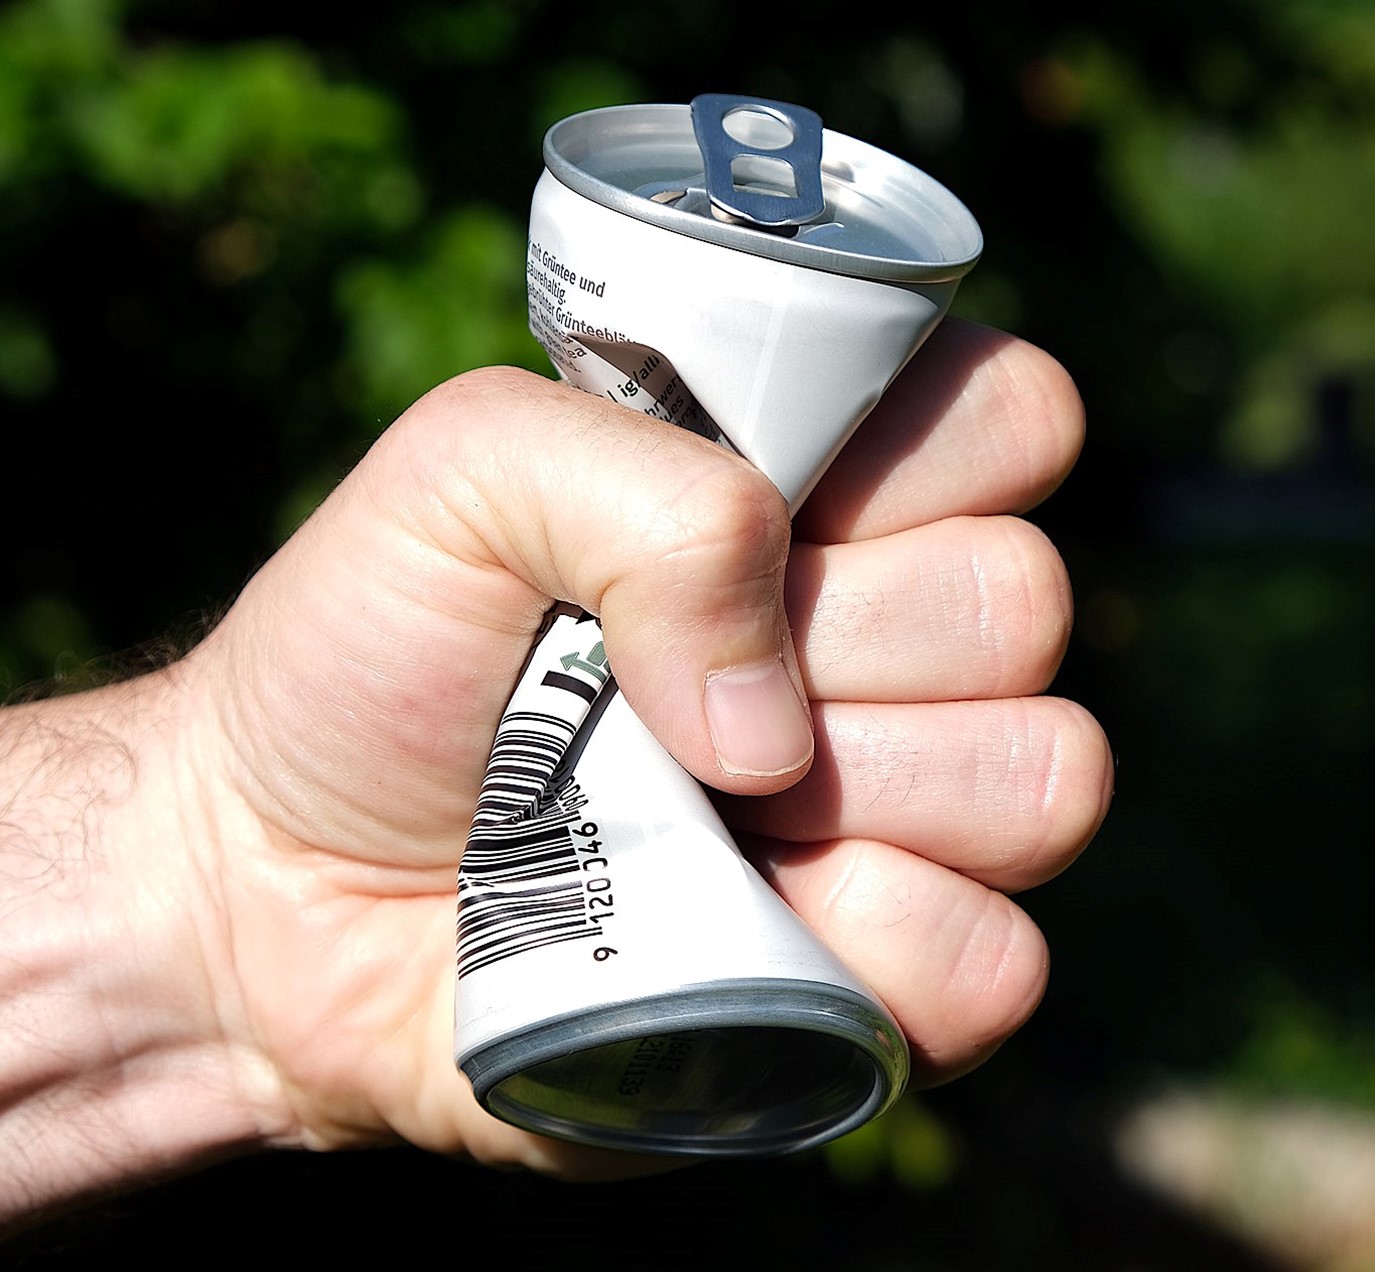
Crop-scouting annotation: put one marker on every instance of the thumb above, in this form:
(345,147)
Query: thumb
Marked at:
(680,549)
(364,669)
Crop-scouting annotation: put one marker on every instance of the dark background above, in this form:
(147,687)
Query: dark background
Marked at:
(237,239)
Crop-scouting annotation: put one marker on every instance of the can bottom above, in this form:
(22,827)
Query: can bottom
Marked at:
(749,1068)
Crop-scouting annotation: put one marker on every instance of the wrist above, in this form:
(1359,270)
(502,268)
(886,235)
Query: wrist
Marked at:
(119,1060)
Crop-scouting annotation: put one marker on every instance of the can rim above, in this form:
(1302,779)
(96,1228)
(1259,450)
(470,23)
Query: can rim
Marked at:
(898,188)
(751,1005)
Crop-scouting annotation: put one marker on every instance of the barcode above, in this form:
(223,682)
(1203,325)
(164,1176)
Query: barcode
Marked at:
(520,885)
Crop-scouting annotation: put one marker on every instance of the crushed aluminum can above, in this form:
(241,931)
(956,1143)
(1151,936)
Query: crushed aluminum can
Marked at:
(625,978)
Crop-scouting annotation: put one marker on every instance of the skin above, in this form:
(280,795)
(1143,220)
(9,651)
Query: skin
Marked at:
(226,888)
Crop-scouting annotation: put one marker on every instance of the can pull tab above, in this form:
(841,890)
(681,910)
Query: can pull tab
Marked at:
(762,159)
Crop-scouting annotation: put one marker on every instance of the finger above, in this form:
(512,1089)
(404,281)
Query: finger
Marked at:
(1006,792)
(979,422)
(968,607)
(364,668)
(960,967)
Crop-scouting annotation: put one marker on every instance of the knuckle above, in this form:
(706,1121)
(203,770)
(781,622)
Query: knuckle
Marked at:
(1063,783)
(460,417)
(1026,612)
(1037,386)
(492,385)
(729,522)
(496,407)
(1014,602)
(1005,958)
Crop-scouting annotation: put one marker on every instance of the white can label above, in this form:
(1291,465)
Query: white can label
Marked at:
(598,872)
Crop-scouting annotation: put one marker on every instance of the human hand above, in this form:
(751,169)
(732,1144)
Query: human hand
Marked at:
(928,621)
(279,814)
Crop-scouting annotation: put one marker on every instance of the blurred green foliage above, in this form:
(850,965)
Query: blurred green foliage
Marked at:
(268,230)
(1257,196)
(1297,1047)
(909,1145)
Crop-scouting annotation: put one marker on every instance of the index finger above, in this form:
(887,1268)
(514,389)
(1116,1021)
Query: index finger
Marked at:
(978,423)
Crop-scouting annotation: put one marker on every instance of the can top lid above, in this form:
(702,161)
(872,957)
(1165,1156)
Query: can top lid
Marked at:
(750,186)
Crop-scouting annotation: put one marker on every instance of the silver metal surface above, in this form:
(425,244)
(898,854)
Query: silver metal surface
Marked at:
(762,159)
(731,1069)
(881,218)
